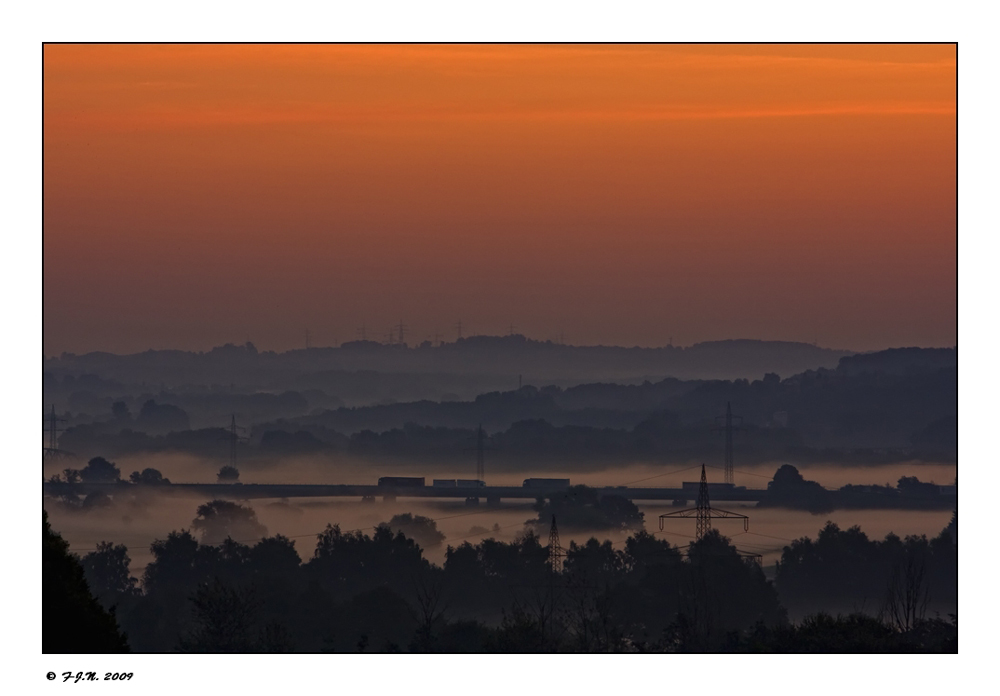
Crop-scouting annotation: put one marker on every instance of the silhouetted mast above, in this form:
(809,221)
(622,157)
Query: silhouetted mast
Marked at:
(555,548)
(481,454)
(54,430)
(704,512)
(234,439)
(729,429)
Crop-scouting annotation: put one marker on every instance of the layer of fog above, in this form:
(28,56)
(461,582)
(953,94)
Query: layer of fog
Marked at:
(137,523)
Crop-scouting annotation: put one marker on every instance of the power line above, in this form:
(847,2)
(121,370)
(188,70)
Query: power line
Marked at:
(739,471)
(669,473)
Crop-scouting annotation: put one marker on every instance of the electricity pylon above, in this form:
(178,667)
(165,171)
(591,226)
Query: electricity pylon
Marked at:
(704,512)
(53,422)
(729,429)
(234,439)
(555,548)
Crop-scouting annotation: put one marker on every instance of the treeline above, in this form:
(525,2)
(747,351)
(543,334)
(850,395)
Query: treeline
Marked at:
(659,438)
(360,591)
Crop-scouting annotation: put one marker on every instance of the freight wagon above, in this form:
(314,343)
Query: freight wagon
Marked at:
(402,481)
(546,483)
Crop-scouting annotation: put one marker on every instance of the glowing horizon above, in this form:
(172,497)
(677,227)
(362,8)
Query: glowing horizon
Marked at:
(198,195)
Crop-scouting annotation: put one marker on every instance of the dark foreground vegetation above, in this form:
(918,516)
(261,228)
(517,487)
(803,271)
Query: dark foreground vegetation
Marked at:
(374,591)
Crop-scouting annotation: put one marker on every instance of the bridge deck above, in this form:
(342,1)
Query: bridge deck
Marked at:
(313,490)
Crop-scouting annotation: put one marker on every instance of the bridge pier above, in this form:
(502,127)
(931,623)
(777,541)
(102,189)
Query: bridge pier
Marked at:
(367,499)
(472,502)
(492,500)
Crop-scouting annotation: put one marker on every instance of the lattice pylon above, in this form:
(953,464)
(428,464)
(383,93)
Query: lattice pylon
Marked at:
(704,519)
(480,454)
(728,478)
(555,548)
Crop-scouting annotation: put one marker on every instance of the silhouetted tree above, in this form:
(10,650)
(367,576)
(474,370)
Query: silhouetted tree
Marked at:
(72,620)
(789,489)
(148,477)
(581,507)
(225,620)
(220,519)
(228,474)
(422,530)
(906,596)
(107,573)
(100,470)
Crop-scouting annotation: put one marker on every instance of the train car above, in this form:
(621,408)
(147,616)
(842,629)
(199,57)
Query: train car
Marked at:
(546,483)
(444,483)
(402,481)
(470,483)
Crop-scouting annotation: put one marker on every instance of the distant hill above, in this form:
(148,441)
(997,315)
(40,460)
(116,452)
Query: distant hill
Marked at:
(899,361)
(889,406)
(539,362)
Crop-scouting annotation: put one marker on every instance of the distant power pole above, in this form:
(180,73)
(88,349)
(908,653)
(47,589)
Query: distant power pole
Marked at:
(437,337)
(480,454)
(234,439)
(555,548)
(307,339)
(362,333)
(459,327)
(729,429)
(482,444)
(54,430)
(510,331)
(402,329)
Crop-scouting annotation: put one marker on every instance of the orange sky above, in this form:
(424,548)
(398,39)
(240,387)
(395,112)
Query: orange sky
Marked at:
(197,195)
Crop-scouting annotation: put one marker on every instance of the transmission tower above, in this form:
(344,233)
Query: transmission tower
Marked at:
(234,439)
(510,331)
(362,333)
(458,326)
(555,549)
(704,512)
(402,329)
(480,454)
(482,445)
(729,429)
(54,430)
